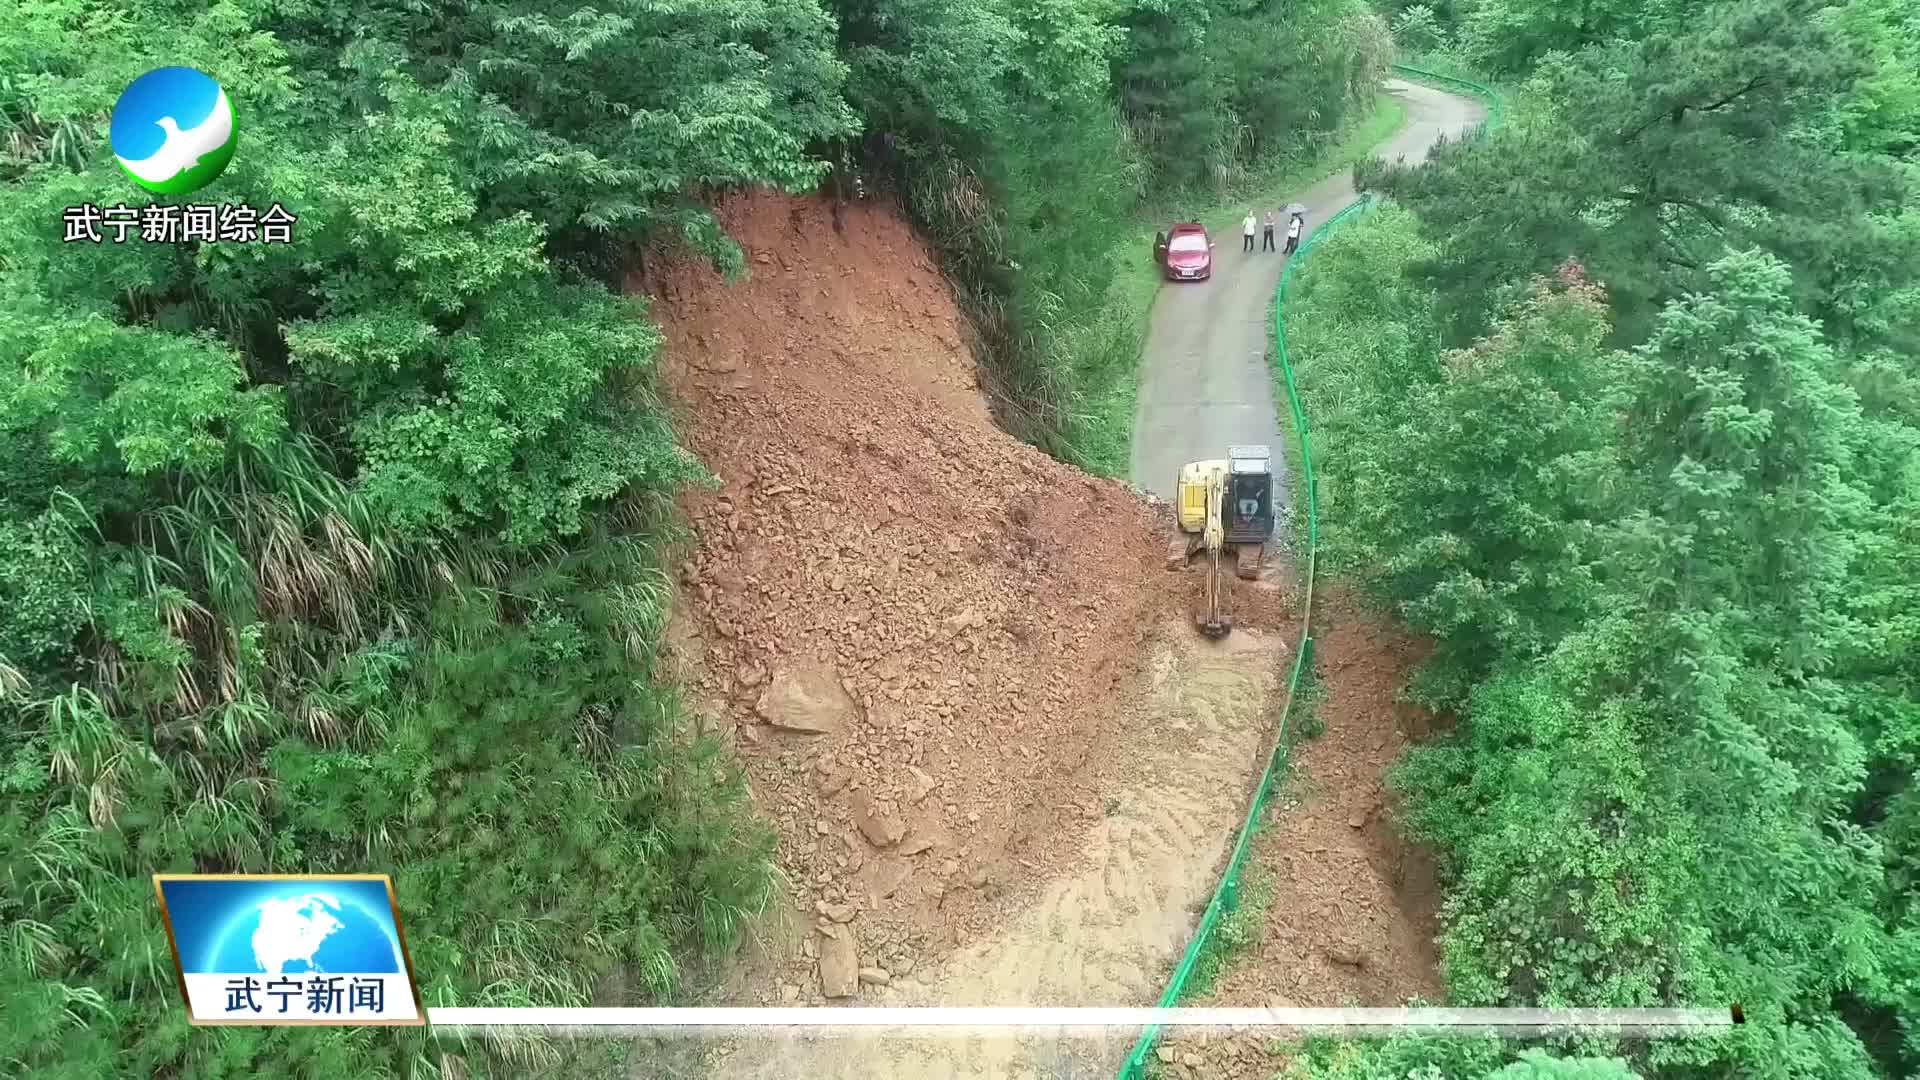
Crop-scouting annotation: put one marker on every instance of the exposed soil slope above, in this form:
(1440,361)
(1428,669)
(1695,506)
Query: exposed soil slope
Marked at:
(954,615)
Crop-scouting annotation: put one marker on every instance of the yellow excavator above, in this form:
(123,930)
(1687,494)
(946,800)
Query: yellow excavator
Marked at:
(1224,503)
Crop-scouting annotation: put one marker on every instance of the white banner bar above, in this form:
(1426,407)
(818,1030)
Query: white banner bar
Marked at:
(1654,1022)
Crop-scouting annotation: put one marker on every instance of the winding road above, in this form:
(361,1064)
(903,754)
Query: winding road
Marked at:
(1204,380)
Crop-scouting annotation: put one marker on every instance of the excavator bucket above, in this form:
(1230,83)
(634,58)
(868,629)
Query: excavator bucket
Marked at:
(1248,559)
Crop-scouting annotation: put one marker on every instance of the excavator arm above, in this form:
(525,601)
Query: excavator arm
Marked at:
(1215,625)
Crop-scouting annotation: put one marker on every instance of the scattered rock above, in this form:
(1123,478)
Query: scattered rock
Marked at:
(966,620)
(1165,1054)
(789,993)
(1357,819)
(1350,957)
(833,779)
(873,976)
(840,913)
(881,828)
(884,876)
(809,700)
(927,832)
(920,787)
(839,963)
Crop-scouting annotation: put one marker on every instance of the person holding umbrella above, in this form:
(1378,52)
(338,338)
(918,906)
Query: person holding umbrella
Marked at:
(1293,227)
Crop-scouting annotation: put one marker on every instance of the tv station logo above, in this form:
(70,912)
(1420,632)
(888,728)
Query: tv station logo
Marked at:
(173,131)
(272,949)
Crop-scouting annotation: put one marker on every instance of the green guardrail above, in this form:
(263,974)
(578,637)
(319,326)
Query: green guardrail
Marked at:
(1226,895)
(1496,109)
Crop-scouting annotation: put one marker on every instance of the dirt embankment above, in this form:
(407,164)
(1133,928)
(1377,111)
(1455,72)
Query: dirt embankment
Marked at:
(913,626)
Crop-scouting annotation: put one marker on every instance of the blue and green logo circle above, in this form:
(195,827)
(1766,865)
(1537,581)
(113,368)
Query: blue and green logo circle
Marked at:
(173,130)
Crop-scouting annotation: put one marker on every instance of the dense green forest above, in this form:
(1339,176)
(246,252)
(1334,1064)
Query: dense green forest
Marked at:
(1621,402)
(346,554)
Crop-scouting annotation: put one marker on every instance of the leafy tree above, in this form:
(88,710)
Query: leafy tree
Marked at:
(1472,480)
(1418,29)
(597,119)
(1655,794)
(344,554)
(1211,88)
(1510,36)
(1429,1057)
(1174,103)
(1648,157)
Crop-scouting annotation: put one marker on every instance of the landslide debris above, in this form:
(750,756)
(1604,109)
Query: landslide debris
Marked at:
(913,626)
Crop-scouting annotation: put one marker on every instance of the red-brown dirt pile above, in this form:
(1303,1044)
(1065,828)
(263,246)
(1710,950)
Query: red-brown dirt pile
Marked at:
(913,625)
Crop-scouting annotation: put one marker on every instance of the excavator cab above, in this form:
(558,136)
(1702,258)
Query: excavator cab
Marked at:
(1249,509)
(1225,504)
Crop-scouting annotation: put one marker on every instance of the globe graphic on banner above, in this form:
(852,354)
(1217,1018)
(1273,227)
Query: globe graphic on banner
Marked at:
(310,933)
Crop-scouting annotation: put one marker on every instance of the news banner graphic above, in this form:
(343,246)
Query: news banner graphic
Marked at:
(274,949)
(312,949)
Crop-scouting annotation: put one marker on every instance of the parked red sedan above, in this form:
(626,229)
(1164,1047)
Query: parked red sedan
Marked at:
(1189,253)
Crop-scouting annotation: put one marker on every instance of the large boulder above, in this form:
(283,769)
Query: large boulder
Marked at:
(839,963)
(880,826)
(808,699)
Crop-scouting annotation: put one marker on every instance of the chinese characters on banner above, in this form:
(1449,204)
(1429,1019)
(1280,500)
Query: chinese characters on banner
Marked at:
(206,223)
(322,995)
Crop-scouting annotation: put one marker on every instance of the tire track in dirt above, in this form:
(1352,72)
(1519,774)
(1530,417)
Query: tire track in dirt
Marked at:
(1180,767)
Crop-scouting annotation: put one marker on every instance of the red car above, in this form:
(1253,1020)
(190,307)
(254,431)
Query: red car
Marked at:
(1189,253)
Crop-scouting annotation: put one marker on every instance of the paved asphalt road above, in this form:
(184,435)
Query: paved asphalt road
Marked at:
(1204,381)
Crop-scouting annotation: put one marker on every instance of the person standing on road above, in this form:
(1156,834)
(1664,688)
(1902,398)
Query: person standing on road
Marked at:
(1266,231)
(1246,235)
(1293,234)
